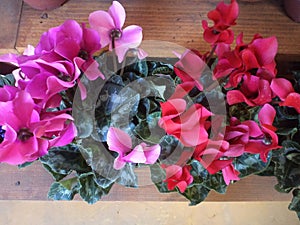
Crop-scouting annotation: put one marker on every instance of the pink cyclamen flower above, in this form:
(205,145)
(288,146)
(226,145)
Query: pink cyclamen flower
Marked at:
(120,142)
(189,126)
(109,26)
(177,176)
(73,43)
(223,17)
(27,135)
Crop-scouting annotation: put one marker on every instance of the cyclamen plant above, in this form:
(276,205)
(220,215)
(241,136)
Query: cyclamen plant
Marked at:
(200,124)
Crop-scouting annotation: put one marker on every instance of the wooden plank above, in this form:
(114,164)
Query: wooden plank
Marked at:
(10,11)
(146,213)
(171,20)
(33,182)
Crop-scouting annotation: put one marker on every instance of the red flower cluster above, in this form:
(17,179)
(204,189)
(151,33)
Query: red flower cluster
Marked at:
(248,73)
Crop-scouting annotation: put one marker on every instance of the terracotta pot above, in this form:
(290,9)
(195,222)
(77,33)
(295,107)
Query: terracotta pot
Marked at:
(292,8)
(45,4)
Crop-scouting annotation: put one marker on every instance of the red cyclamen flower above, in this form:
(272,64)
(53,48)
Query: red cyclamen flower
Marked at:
(215,155)
(223,17)
(189,126)
(265,140)
(177,176)
(256,58)
(190,67)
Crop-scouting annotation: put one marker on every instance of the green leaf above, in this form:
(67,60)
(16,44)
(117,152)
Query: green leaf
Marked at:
(24,165)
(287,164)
(168,145)
(287,131)
(148,130)
(140,67)
(211,181)
(156,67)
(248,164)
(90,191)
(196,193)
(216,182)
(61,161)
(198,171)
(56,176)
(295,204)
(8,79)
(127,177)
(64,190)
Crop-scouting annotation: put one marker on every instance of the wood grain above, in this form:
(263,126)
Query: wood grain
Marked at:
(33,182)
(10,11)
(175,21)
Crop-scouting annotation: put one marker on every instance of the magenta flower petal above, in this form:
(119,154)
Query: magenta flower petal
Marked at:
(91,69)
(152,153)
(136,155)
(190,68)
(117,12)
(182,185)
(182,89)
(90,40)
(68,49)
(103,23)
(266,49)
(177,176)
(141,53)
(66,136)
(266,115)
(172,108)
(10,135)
(254,130)
(292,100)
(236,96)
(229,174)
(131,38)
(119,163)
(118,141)
(281,87)
(24,114)
(83,91)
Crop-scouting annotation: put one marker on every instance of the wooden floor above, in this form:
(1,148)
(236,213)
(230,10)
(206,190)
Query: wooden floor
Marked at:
(173,21)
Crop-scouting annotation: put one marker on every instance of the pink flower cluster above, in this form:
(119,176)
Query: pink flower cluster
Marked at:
(33,120)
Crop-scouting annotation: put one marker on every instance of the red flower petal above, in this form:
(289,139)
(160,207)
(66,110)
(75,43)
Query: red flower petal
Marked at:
(292,100)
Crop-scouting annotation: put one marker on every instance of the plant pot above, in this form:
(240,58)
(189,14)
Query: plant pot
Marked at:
(292,8)
(45,4)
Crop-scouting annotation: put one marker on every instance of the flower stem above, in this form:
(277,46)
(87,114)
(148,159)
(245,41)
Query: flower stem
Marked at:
(209,57)
(114,56)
